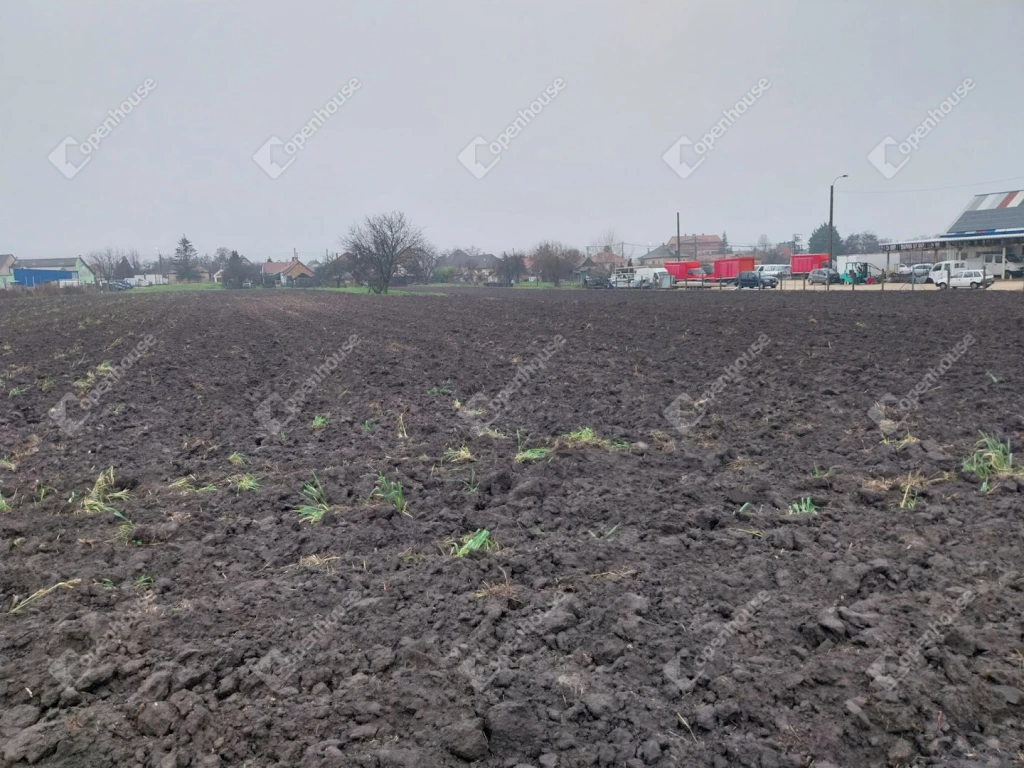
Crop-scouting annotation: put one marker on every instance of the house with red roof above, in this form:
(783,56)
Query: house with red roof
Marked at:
(607,260)
(284,272)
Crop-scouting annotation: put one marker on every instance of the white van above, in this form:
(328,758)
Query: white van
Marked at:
(941,271)
(648,276)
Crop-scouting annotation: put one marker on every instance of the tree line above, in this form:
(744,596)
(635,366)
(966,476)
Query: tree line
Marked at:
(186,264)
(376,251)
(383,246)
(856,243)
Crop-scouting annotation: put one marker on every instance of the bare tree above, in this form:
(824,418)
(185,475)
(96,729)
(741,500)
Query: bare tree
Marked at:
(379,246)
(423,262)
(510,267)
(104,262)
(863,242)
(333,270)
(608,241)
(135,260)
(555,261)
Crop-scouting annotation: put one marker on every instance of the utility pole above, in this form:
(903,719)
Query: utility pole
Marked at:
(678,237)
(695,247)
(831,200)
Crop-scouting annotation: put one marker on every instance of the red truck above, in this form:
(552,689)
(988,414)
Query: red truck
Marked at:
(681,270)
(803,263)
(689,273)
(727,270)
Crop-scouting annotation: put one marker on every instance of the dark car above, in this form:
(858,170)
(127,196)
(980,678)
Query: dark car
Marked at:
(824,276)
(755,280)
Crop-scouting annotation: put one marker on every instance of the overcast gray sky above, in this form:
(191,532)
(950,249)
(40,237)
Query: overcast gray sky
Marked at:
(226,77)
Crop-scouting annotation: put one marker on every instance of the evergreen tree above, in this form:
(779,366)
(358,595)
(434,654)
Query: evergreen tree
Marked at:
(235,272)
(819,241)
(186,265)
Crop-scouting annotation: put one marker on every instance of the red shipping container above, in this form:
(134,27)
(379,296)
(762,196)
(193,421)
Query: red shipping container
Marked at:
(729,269)
(803,263)
(680,270)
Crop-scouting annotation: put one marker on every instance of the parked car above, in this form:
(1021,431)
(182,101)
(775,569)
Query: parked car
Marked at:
(120,285)
(824,276)
(969,278)
(756,280)
(779,271)
(940,271)
(920,273)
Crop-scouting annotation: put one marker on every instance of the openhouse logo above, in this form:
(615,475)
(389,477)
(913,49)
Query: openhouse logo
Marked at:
(686,156)
(480,155)
(889,156)
(276,156)
(71,156)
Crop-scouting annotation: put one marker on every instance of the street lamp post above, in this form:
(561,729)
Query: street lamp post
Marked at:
(831,201)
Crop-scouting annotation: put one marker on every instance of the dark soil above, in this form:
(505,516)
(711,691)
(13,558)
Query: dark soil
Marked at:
(652,601)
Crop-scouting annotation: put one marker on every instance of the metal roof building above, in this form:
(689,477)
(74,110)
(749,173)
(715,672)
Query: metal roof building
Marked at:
(990,228)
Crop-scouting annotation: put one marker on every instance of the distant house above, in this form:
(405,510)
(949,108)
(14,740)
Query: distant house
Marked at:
(608,261)
(468,268)
(71,268)
(284,272)
(707,247)
(6,269)
(658,256)
(591,270)
(462,260)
